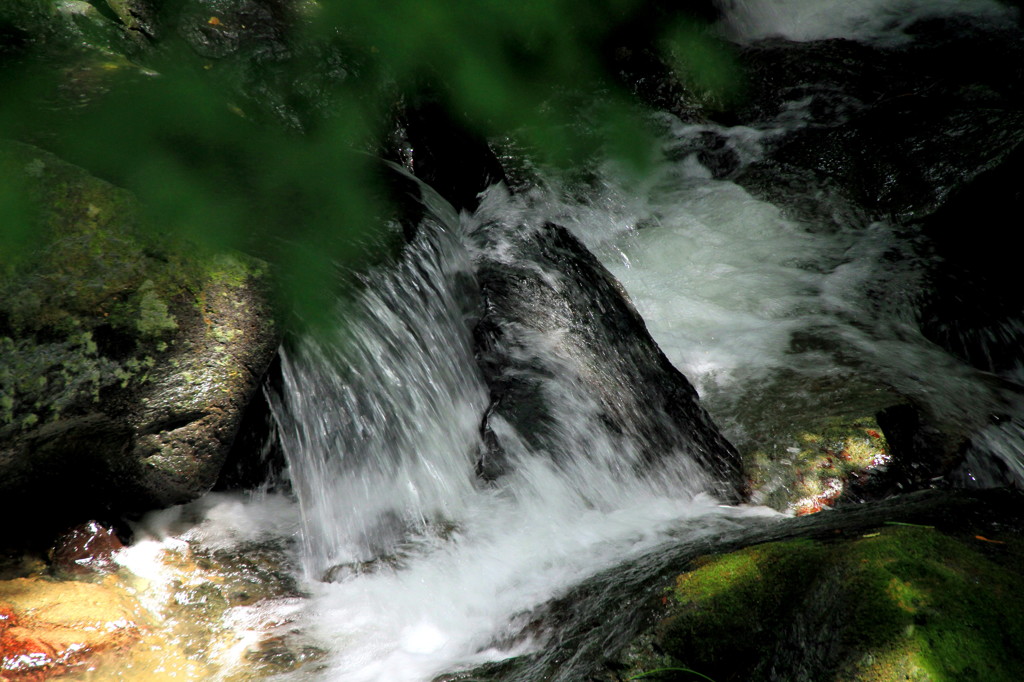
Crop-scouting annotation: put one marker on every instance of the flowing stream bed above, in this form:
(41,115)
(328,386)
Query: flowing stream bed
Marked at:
(406,565)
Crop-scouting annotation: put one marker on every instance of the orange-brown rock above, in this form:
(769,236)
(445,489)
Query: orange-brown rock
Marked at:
(48,628)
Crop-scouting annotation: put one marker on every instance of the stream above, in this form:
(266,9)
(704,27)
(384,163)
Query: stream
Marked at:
(409,564)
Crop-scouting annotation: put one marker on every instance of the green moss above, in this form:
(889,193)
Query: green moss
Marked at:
(816,462)
(40,381)
(91,265)
(755,586)
(98,296)
(74,28)
(961,613)
(902,603)
(233,269)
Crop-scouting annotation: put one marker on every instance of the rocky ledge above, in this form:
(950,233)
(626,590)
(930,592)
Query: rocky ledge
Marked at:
(128,358)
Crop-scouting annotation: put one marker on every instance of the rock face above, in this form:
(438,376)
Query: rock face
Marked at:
(84,549)
(894,603)
(572,370)
(127,362)
(871,118)
(559,332)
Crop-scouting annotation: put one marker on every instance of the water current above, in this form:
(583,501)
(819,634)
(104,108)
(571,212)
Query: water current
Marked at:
(413,566)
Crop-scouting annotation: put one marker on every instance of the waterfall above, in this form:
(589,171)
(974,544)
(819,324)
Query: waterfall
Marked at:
(430,568)
(427,565)
(380,421)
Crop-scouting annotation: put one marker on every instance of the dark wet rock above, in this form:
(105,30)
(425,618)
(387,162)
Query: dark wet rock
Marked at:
(84,549)
(543,289)
(445,153)
(711,150)
(340,573)
(128,362)
(633,56)
(921,453)
(925,586)
(391,544)
(259,29)
(256,458)
(822,83)
(894,129)
(974,307)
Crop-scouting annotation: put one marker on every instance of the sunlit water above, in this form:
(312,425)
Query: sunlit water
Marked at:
(876,21)
(433,570)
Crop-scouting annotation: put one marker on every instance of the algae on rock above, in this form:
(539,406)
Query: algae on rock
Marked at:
(128,357)
(902,602)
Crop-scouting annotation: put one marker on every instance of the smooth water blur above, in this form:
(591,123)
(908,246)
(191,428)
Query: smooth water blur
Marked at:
(434,570)
(426,566)
(739,293)
(380,423)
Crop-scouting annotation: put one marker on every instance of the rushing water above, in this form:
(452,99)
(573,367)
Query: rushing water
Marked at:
(875,21)
(413,566)
(382,426)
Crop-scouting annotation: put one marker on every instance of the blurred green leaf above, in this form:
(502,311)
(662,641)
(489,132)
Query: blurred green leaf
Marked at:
(256,135)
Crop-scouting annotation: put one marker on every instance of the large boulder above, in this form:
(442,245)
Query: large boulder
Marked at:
(573,371)
(127,359)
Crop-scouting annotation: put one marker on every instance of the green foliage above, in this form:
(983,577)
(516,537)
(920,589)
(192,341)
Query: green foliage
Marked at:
(250,124)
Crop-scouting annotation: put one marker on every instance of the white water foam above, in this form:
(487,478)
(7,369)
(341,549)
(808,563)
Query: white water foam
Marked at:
(736,291)
(463,603)
(439,571)
(874,21)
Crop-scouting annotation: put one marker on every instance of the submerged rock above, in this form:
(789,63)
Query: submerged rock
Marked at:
(559,333)
(50,628)
(127,360)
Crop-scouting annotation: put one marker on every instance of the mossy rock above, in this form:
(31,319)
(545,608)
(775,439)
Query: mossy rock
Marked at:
(809,443)
(128,358)
(816,464)
(898,603)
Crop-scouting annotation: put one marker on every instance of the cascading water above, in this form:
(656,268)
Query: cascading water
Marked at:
(380,422)
(415,565)
(429,565)
(877,21)
(728,282)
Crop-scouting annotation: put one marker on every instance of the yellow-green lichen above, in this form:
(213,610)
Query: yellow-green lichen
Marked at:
(154,316)
(97,296)
(39,381)
(812,467)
